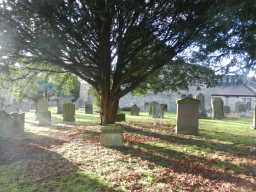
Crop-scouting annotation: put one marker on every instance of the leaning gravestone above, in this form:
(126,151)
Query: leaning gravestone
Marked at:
(135,110)
(217,108)
(12,125)
(69,110)
(88,108)
(42,113)
(157,110)
(202,110)
(187,116)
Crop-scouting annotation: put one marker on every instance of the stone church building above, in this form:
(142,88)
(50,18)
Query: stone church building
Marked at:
(233,90)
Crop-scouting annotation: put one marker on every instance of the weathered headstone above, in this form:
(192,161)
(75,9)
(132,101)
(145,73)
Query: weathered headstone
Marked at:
(187,116)
(42,113)
(202,110)
(112,136)
(59,106)
(164,107)
(135,110)
(254,119)
(12,125)
(120,117)
(69,110)
(88,108)
(217,108)
(157,110)
(146,107)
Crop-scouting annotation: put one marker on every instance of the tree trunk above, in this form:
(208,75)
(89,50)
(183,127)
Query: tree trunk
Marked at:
(109,108)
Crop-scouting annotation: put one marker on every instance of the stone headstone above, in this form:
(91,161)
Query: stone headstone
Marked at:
(69,110)
(112,136)
(202,110)
(42,105)
(217,108)
(164,107)
(44,118)
(187,116)
(12,125)
(157,111)
(146,107)
(254,119)
(135,110)
(88,108)
(59,106)
(120,117)
(42,113)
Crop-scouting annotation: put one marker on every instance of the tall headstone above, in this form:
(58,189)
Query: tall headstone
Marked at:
(202,110)
(69,110)
(217,108)
(187,116)
(42,113)
(59,106)
(254,119)
(88,108)
(135,110)
(157,110)
(146,107)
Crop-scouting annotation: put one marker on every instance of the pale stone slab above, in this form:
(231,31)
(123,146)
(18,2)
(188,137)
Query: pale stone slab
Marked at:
(187,116)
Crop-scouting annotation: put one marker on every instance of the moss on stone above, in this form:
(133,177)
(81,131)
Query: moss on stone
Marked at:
(188,101)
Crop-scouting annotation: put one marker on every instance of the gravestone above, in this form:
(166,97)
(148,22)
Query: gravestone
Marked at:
(157,110)
(146,107)
(69,110)
(217,108)
(150,111)
(112,136)
(120,117)
(12,125)
(254,119)
(88,108)
(42,113)
(135,110)
(202,110)
(187,116)
(164,107)
(59,106)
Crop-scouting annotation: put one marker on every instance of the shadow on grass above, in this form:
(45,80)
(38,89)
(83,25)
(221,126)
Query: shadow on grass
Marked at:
(29,165)
(214,146)
(182,163)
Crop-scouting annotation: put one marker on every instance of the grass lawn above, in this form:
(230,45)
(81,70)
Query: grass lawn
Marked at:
(68,157)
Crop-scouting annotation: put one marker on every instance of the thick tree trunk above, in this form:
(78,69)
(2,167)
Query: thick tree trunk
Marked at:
(109,108)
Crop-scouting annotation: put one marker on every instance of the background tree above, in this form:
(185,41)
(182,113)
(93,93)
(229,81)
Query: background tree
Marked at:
(113,45)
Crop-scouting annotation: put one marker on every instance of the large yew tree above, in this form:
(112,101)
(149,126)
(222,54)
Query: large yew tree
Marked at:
(112,44)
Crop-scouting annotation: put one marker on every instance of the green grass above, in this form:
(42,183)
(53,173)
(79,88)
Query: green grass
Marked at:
(221,144)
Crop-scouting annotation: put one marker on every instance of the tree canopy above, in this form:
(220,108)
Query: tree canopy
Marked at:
(115,45)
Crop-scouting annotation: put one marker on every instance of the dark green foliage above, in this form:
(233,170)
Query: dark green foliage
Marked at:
(69,112)
(116,46)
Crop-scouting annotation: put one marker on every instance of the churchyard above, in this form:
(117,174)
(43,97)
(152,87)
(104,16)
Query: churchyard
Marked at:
(69,156)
